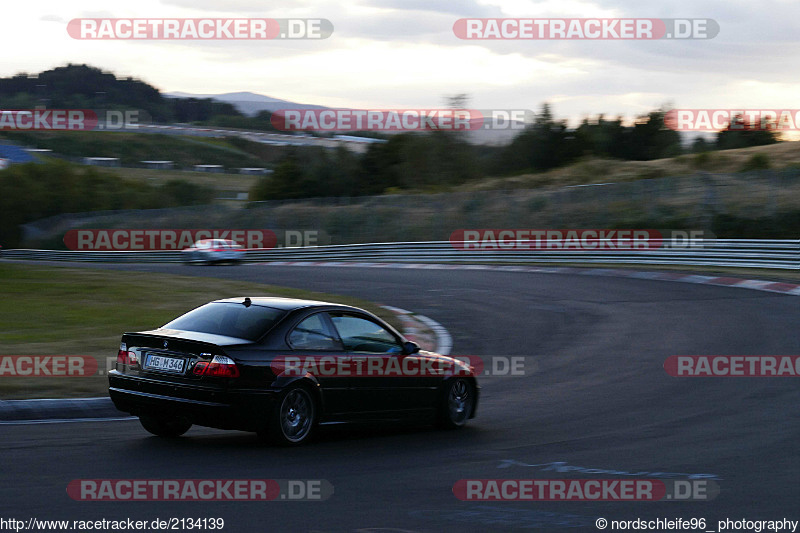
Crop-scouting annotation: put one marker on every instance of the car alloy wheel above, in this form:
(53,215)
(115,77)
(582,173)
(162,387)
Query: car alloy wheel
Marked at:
(459,401)
(295,417)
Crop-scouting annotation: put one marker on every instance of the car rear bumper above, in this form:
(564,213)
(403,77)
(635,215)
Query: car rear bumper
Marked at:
(215,257)
(225,257)
(205,406)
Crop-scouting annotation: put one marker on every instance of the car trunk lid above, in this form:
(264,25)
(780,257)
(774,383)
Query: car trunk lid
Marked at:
(171,355)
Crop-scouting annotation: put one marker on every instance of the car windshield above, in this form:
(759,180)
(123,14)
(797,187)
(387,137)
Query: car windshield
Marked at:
(230,319)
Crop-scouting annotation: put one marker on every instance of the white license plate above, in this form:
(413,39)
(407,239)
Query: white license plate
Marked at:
(160,362)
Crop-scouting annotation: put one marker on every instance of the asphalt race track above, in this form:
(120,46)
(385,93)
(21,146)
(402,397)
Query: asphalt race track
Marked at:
(595,395)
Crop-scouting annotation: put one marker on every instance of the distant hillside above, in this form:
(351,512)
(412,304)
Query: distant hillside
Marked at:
(250,104)
(86,87)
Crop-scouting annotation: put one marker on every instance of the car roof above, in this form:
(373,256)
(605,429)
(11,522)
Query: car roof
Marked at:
(286,304)
(229,241)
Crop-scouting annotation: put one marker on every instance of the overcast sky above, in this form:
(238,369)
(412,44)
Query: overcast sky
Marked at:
(403,53)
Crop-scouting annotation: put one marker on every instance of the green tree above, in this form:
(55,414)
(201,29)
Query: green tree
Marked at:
(742,134)
(285,182)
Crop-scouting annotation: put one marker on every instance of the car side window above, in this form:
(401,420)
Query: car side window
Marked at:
(313,334)
(362,335)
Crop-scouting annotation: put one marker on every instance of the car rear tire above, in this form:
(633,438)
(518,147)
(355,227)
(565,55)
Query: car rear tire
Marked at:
(294,417)
(165,427)
(457,403)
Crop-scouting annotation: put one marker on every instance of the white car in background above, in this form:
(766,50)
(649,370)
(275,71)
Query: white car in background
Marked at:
(208,251)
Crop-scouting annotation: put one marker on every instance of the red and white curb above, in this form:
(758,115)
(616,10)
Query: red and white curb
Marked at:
(429,334)
(720,281)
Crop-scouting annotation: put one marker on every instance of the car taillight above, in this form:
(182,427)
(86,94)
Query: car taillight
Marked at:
(127,358)
(216,250)
(220,367)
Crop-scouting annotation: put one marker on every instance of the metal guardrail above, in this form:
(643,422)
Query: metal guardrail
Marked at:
(778,254)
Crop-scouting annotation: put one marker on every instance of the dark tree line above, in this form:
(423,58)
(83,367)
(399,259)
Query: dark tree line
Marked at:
(741,134)
(549,143)
(404,161)
(85,87)
(33,191)
(437,160)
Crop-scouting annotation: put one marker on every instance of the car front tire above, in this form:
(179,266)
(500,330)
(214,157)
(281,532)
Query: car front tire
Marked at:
(457,403)
(165,427)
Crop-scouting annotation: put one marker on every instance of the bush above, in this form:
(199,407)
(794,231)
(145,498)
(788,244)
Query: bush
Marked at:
(784,225)
(701,161)
(757,162)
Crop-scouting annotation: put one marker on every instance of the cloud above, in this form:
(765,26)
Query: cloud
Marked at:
(52,18)
(262,8)
(462,8)
(403,53)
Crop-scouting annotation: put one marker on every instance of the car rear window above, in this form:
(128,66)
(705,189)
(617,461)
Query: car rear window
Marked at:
(231,319)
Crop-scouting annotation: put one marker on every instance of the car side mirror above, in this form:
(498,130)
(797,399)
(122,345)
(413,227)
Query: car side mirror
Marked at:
(410,347)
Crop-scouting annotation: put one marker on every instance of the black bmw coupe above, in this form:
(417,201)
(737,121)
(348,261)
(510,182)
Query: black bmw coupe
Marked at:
(280,367)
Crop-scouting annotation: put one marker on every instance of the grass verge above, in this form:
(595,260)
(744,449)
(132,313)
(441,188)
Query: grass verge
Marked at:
(72,311)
